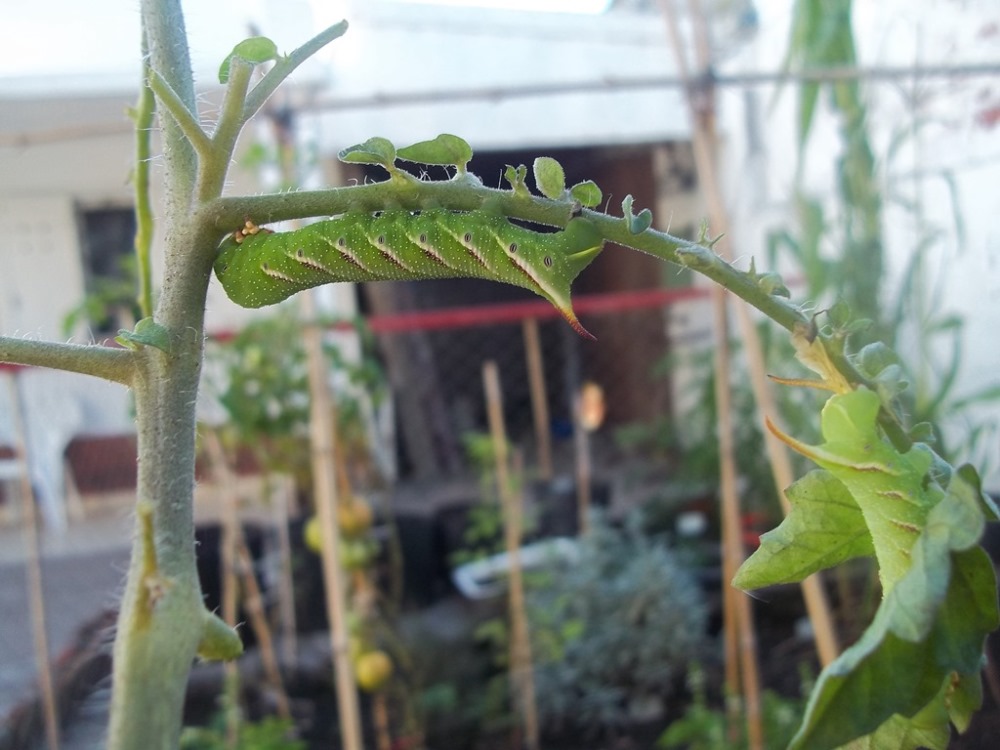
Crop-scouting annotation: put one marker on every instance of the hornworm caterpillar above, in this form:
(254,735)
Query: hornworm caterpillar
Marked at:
(263,268)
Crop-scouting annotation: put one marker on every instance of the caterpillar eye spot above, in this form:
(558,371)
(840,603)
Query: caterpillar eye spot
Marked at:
(512,248)
(468,237)
(547,260)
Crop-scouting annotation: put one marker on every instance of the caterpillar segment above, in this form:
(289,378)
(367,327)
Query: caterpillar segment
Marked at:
(259,268)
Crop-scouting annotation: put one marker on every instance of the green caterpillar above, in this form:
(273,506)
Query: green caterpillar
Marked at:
(259,268)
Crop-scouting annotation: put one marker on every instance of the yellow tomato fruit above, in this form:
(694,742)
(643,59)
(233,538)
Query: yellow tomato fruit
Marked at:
(372,670)
(312,534)
(354,517)
(355,554)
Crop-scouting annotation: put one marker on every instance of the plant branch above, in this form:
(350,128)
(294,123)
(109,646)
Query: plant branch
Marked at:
(144,112)
(706,262)
(231,117)
(164,29)
(215,163)
(286,65)
(181,115)
(161,618)
(459,194)
(116,365)
(469,194)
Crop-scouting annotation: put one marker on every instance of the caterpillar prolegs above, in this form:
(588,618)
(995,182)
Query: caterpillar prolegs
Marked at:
(265,268)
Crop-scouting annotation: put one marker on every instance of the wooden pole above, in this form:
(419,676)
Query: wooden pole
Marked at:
(581,451)
(539,398)
(283,500)
(704,138)
(238,572)
(33,571)
(521,670)
(740,633)
(323,449)
(322,439)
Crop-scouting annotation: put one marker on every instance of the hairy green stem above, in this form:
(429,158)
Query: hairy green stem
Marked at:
(286,65)
(461,194)
(144,112)
(181,115)
(212,175)
(161,619)
(116,365)
(468,194)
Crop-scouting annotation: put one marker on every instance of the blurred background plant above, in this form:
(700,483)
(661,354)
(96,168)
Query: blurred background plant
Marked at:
(612,633)
(259,380)
(705,728)
(270,733)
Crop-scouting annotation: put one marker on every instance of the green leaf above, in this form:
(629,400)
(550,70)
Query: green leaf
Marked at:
(824,528)
(874,358)
(445,149)
(147,333)
(517,177)
(255,50)
(586,193)
(933,623)
(636,224)
(927,729)
(549,177)
(373,151)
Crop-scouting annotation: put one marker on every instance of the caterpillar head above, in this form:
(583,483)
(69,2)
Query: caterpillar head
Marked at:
(553,266)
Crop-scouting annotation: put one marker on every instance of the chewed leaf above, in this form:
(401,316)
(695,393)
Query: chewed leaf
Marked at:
(587,193)
(255,50)
(825,528)
(517,177)
(373,151)
(549,177)
(147,332)
(636,224)
(445,149)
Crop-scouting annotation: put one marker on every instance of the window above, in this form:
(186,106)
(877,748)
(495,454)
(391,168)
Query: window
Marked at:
(107,246)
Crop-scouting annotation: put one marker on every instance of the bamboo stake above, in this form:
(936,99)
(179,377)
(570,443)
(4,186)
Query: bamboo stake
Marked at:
(703,135)
(539,399)
(323,449)
(230,585)
(238,567)
(740,631)
(286,599)
(581,445)
(258,621)
(33,571)
(380,717)
(322,433)
(522,674)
